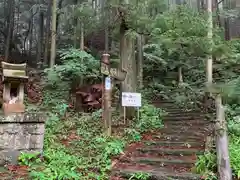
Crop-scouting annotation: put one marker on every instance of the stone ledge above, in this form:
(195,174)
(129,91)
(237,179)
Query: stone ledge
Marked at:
(25,129)
(11,156)
(23,118)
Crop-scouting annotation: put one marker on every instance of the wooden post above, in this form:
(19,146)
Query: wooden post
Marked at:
(223,161)
(107,97)
(108,105)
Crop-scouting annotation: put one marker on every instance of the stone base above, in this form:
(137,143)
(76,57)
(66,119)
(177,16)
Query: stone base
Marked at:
(13,108)
(20,133)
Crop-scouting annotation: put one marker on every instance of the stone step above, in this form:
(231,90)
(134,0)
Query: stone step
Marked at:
(174,144)
(178,109)
(172,110)
(180,118)
(160,101)
(186,122)
(188,112)
(157,174)
(176,137)
(161,162)
(169,107)
(168,151)
(185,114)
(177,127)
(166,105)
(182,132)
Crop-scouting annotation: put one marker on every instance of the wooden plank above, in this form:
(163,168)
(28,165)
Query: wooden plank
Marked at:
(6,65)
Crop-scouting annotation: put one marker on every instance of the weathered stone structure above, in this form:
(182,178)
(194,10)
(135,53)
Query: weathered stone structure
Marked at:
(20,133)
(13,78)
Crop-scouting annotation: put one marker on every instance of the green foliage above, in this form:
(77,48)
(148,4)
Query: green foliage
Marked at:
(233,119)
(206,165)
(86,158)
(140,176)
(58,164)
(234,149)
(29,158)
(76,64)
(141,14)
(82,12)
(210,176)
(132,134)
(76,147)
(187,96)
(206,162)
(150,118)
(184,95)
(112,147)
(178,37)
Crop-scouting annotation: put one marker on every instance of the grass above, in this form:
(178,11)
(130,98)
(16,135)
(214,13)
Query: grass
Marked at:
(75,146)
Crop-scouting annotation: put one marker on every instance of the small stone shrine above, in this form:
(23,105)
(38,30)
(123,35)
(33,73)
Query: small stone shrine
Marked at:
(19,131)
(14,77)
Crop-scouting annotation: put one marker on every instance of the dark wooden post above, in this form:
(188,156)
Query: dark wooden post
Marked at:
(107,95)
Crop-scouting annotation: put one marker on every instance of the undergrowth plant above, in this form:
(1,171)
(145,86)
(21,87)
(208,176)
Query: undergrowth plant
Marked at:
(207,163)
(75,147)
(76,64)
(150,118)
(140,176)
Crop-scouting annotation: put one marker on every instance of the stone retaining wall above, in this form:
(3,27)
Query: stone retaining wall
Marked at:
(20,133)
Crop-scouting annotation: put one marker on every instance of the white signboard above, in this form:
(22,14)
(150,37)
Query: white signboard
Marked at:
(107,83)
(131,99)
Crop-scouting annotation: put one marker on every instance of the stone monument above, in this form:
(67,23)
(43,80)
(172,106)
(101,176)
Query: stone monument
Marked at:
(19,131)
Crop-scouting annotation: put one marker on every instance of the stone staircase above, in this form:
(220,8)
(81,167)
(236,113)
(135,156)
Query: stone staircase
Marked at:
(170,153)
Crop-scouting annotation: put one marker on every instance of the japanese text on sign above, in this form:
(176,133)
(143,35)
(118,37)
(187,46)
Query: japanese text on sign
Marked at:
(108,83)
(131,99)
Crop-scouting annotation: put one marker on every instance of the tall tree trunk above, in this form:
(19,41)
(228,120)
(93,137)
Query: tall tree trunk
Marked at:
(180,75)
(140,41)
(219,8)
(75,28)
(106,32)
(81,36)
(210,36)
(53,42)
(128,63)
(18,17)
(199,7)
(11,8)
(31,37)
(5,11)
(105,20)
(40,39)
(47,33)
(81,47)
(226,23)
(59,6)
(227,29)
